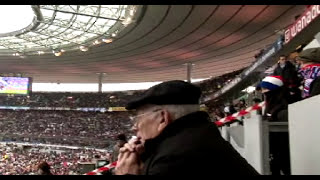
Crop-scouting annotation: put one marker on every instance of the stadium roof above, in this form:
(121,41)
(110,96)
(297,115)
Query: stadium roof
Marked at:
(71,44)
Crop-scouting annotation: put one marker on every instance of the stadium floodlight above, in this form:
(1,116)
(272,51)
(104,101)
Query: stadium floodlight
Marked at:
(58,53)
(83,48)
(127,21)
(107,40)
(131,12)
(96,42)
(40,52)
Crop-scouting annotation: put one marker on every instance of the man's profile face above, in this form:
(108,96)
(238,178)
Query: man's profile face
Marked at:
(147,123)
(282,60)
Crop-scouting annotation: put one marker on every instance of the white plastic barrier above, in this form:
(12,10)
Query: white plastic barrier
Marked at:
(224,133)
(253,141)
(236,137)
(304,128)
(248,140)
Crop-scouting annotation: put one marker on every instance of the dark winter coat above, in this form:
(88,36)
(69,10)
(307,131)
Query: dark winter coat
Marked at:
(315,87)
(289,74)
(277,102)
(192,145)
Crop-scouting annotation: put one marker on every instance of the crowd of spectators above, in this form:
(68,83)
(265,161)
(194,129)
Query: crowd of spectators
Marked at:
(68,99)
(17,160)
(63,127)
(213,85)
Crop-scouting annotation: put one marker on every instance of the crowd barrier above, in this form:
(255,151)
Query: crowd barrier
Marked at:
(99,171)
(251,139)
(304,123)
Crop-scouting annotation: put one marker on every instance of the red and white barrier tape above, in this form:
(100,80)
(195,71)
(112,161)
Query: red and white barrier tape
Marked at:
(220,122)
(241,113)
(102,169)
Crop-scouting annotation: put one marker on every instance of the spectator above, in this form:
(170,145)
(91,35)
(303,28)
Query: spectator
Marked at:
(242,104)
(44,169)
(275,97)
(277,110)
(229,110)
(218,114)
(121,140)
(257,101)
(289,73)
(315,87)
(176,135)
(309,61)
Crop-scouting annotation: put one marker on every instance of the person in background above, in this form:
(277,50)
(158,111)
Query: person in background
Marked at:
(309,61)
(173,137)
(257,101)
(229,109)
(291,80)
(242,104)
(218,114)
(121,140)
(277,111)
(44,169)
(276,97)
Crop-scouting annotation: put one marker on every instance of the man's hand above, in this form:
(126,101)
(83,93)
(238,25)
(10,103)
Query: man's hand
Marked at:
(128,160)
(132,147)
(128,163)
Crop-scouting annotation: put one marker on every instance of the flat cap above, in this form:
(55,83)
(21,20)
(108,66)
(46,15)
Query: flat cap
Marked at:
(169,92)
(312,54)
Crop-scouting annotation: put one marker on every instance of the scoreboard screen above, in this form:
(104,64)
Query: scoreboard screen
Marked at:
(15,85)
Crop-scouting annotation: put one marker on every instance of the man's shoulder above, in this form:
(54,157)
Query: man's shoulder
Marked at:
(190,138)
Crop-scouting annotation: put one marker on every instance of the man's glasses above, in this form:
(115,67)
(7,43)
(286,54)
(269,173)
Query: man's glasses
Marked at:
(134,119)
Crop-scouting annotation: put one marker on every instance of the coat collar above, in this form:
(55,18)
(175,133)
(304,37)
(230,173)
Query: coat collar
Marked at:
(188,120)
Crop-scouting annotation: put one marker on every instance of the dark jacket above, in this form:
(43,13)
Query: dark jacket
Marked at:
(315,87)
(192,145)
(289,74)
(291,80)
(277,104)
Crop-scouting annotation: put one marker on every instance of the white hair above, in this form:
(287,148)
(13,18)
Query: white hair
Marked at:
(178,110)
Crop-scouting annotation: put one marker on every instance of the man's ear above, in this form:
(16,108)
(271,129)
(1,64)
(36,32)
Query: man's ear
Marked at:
(165,119)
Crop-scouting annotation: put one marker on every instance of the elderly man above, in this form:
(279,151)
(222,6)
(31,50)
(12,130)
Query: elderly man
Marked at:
(175,138)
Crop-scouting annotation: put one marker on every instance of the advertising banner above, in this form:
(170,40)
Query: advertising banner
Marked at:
(302,22)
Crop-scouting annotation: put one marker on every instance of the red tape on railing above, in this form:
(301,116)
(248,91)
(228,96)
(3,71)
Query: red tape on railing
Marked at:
(241,113)
(102,169)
